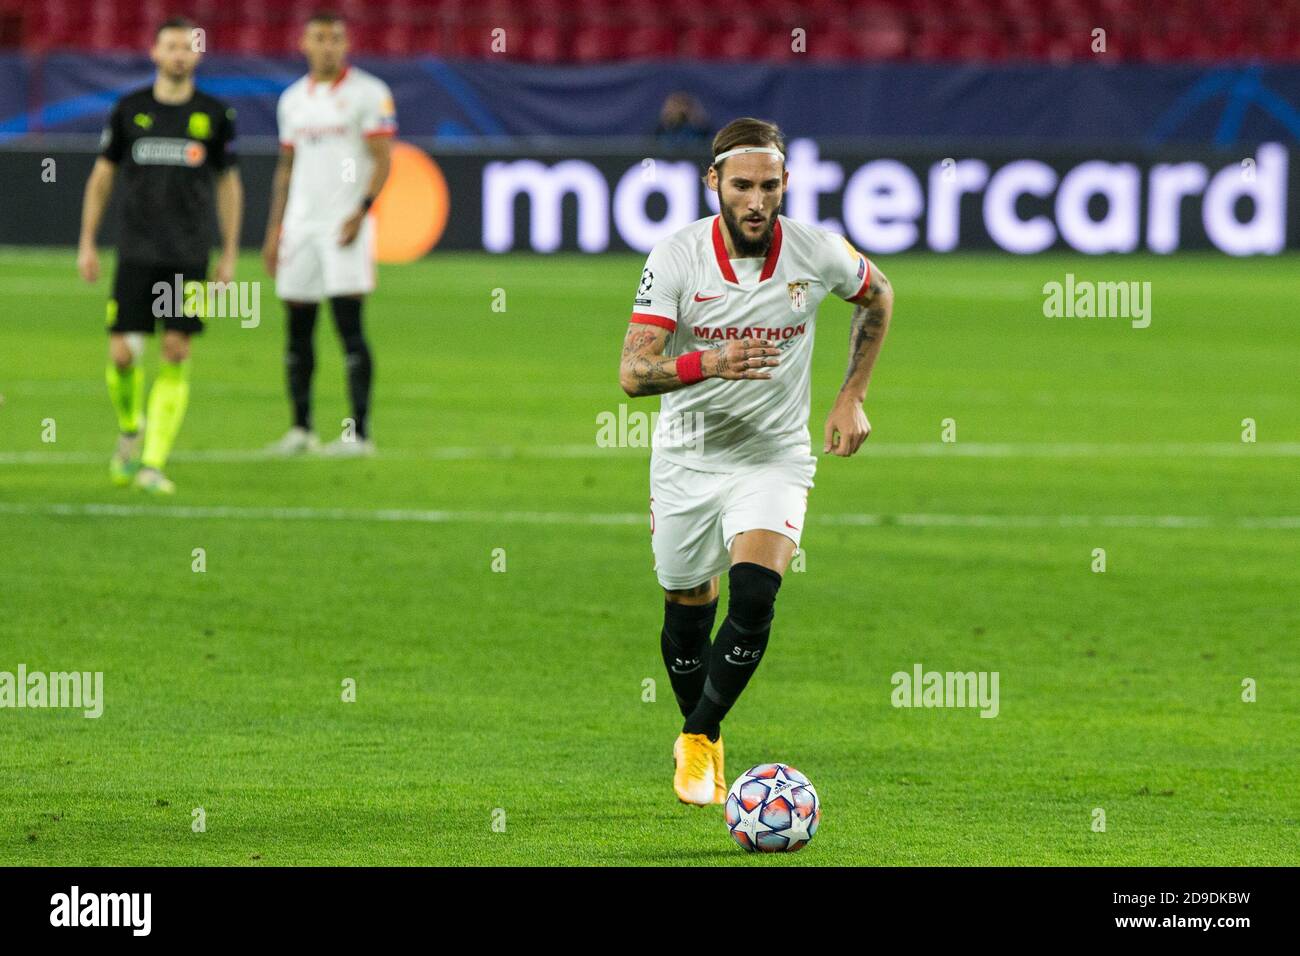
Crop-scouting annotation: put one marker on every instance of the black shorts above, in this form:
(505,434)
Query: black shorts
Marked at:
(140,300)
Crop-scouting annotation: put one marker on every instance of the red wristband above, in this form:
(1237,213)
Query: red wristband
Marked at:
(690,367)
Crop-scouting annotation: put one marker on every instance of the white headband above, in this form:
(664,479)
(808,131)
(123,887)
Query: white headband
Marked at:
(748,149)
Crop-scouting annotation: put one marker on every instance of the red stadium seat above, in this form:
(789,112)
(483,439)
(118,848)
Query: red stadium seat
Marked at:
(544,43)
(595,43)
(739,41)
(696,43)
(881,38)
(557,31)
(650,42)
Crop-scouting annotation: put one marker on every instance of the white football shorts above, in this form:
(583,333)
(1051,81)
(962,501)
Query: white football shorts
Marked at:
(313,266)
(694,515)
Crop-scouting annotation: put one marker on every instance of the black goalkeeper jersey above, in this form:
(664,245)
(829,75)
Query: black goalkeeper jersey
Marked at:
(168,156)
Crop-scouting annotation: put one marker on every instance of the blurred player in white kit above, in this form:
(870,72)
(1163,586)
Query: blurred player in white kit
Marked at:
(336,128)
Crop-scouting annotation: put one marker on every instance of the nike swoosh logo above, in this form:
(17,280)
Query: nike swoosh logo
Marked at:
(707,298)
(790,526)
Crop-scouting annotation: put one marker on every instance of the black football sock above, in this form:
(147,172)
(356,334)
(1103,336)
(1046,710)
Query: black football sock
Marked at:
(684,642)
(738,647)
(347,318)
(300,361)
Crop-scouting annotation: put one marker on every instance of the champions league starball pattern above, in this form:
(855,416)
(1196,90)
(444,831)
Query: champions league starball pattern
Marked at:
(772,808)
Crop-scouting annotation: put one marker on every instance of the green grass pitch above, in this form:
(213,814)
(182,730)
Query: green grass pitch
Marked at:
(481,693)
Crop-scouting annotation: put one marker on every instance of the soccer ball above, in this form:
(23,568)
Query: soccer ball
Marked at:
(773,808)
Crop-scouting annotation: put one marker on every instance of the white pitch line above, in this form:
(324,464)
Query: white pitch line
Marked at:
(237,455)
(416,516)
(407,515)
(1081,449)
(593,451)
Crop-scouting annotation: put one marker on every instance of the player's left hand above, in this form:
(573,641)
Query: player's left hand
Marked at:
(225,268)
(846,428)
(351,227)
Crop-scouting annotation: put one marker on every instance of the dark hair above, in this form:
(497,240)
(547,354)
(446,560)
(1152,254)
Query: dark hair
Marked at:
(325,16)
(746,131)
(174,23)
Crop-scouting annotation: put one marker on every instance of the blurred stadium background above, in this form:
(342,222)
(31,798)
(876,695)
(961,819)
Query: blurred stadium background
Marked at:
(606,85)
(976,149)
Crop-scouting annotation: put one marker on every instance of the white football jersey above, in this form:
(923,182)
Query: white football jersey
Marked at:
(691,287)
(327,125)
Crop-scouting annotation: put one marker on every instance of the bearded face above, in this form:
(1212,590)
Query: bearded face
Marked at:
(750,189)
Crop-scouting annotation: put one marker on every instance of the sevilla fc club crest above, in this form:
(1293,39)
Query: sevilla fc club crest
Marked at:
(798,295)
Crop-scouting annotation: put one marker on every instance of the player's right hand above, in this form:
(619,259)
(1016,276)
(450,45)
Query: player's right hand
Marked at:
(747,359)
(271,255)
(88,263)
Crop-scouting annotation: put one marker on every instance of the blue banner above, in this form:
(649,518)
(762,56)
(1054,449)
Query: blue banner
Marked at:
(1227,106)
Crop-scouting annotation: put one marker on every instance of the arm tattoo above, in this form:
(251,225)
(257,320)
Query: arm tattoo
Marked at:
(651,374)
(869,324)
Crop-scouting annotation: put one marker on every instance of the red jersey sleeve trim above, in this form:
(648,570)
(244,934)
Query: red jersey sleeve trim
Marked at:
(865,282)
(646,318)
(383,131)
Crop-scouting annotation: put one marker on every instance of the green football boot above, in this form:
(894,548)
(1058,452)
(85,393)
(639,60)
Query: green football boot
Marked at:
(124,464)
(154,482)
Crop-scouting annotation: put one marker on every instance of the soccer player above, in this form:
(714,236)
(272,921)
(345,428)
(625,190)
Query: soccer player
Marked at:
(722,328)
(173,145)
(336,128)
